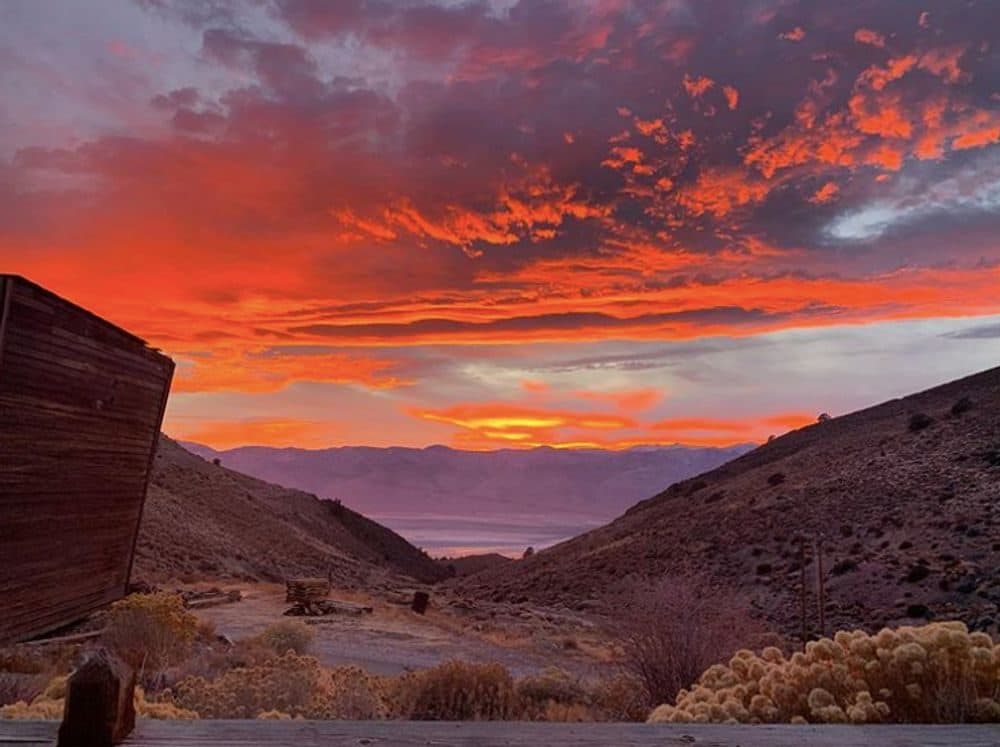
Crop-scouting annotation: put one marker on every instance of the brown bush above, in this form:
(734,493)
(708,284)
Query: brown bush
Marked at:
(460,691)
(671,631)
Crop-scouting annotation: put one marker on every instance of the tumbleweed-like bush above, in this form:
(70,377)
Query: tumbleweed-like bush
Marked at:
(672,630)
(937,673)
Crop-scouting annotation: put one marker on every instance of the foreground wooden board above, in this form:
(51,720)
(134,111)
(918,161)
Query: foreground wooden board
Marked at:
(514,734)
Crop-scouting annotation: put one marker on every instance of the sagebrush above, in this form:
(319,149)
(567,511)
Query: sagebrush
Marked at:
(151,632)
(936,673)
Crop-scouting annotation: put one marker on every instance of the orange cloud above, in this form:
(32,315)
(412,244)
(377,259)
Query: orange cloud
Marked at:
(825,194)
(721,191)
(279,432)
(797,34)
(732,97)
(697,87)
(867,36)
(629,400)
(943,62)
(258,372)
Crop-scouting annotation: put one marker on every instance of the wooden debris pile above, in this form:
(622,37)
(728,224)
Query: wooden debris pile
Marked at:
(309,599)
(306,590)
(324,607)
(199,598)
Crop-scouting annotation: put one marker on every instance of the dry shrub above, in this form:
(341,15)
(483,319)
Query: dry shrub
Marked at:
(50,703)
(671,631)
(353,694)
(151,632)
(553,695)
(16,687)
(937,673)
(290,683)
(460,691)
(288,635)
(620,698)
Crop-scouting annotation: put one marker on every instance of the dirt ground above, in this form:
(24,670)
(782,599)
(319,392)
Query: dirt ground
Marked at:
(393,639)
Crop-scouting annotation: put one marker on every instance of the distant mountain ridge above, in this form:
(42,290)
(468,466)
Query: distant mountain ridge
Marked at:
(439,480)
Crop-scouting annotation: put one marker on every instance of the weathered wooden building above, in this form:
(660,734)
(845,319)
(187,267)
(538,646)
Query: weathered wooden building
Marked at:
(81,403)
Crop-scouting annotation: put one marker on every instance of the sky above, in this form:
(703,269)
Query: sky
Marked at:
(576,223)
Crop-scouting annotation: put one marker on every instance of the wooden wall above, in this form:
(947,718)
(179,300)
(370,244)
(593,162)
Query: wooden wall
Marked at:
(81,404)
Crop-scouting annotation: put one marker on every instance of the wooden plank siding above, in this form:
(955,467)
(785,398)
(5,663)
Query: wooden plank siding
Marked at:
(81,406)
(515,734)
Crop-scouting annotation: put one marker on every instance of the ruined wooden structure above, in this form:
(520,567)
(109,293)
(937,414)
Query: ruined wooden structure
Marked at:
(81,404)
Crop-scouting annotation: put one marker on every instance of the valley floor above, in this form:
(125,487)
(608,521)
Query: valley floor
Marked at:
(393,639)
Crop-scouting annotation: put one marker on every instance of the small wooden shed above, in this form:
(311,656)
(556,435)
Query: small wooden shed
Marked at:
(81,404)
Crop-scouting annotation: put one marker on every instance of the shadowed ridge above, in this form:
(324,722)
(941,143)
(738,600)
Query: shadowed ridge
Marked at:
(203,519)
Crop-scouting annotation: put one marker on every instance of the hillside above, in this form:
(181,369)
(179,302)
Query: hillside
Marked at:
(204,520)
(443,481)
(909,518)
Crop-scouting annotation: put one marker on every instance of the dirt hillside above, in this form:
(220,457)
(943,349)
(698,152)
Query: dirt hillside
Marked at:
(203,520)
(904,496)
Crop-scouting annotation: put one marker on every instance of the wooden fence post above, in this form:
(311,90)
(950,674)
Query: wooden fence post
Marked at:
(99,711)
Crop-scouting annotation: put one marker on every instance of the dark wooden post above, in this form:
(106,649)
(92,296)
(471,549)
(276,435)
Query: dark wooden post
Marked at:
(420,601)
(99,711)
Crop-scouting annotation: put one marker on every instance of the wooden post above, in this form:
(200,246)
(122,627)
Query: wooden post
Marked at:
(420,601)
(99,711)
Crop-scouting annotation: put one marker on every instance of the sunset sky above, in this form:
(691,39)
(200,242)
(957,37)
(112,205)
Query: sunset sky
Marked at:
(490,224)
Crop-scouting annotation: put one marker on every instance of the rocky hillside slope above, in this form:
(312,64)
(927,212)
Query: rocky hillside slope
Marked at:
(204,520)
(904,498)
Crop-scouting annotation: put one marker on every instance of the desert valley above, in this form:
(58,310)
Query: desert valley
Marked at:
(586,373)
(900,500)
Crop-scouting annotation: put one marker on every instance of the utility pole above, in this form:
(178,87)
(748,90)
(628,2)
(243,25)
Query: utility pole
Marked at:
(802,589)
(820,588)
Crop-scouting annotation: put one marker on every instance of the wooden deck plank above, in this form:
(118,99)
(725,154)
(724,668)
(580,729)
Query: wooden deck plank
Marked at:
(514,734)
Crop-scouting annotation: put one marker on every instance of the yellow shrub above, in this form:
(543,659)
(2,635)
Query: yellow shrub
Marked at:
(151,632)
(291,683)
(50,704)
(937,673)
(288,635)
